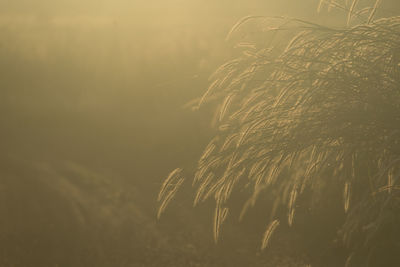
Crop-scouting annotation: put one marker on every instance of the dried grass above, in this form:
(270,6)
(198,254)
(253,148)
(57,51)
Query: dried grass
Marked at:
(325,106)
(268,233)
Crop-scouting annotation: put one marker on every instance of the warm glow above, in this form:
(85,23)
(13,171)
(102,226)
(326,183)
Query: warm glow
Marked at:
(97,107)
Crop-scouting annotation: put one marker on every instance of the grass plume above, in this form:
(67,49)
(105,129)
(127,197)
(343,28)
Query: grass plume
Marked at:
(268,233)
(326,107)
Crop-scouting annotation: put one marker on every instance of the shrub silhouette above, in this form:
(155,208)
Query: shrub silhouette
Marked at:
(322,110)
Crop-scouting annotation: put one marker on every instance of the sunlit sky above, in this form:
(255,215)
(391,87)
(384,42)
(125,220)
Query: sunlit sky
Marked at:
(143,12)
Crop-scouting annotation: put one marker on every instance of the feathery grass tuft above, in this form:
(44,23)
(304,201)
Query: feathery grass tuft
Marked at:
(169,189)
(326,107)
(268,233)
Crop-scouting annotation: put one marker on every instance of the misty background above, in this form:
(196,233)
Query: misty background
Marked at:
(92,119)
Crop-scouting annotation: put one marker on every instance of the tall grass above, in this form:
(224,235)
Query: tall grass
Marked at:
(322,109)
